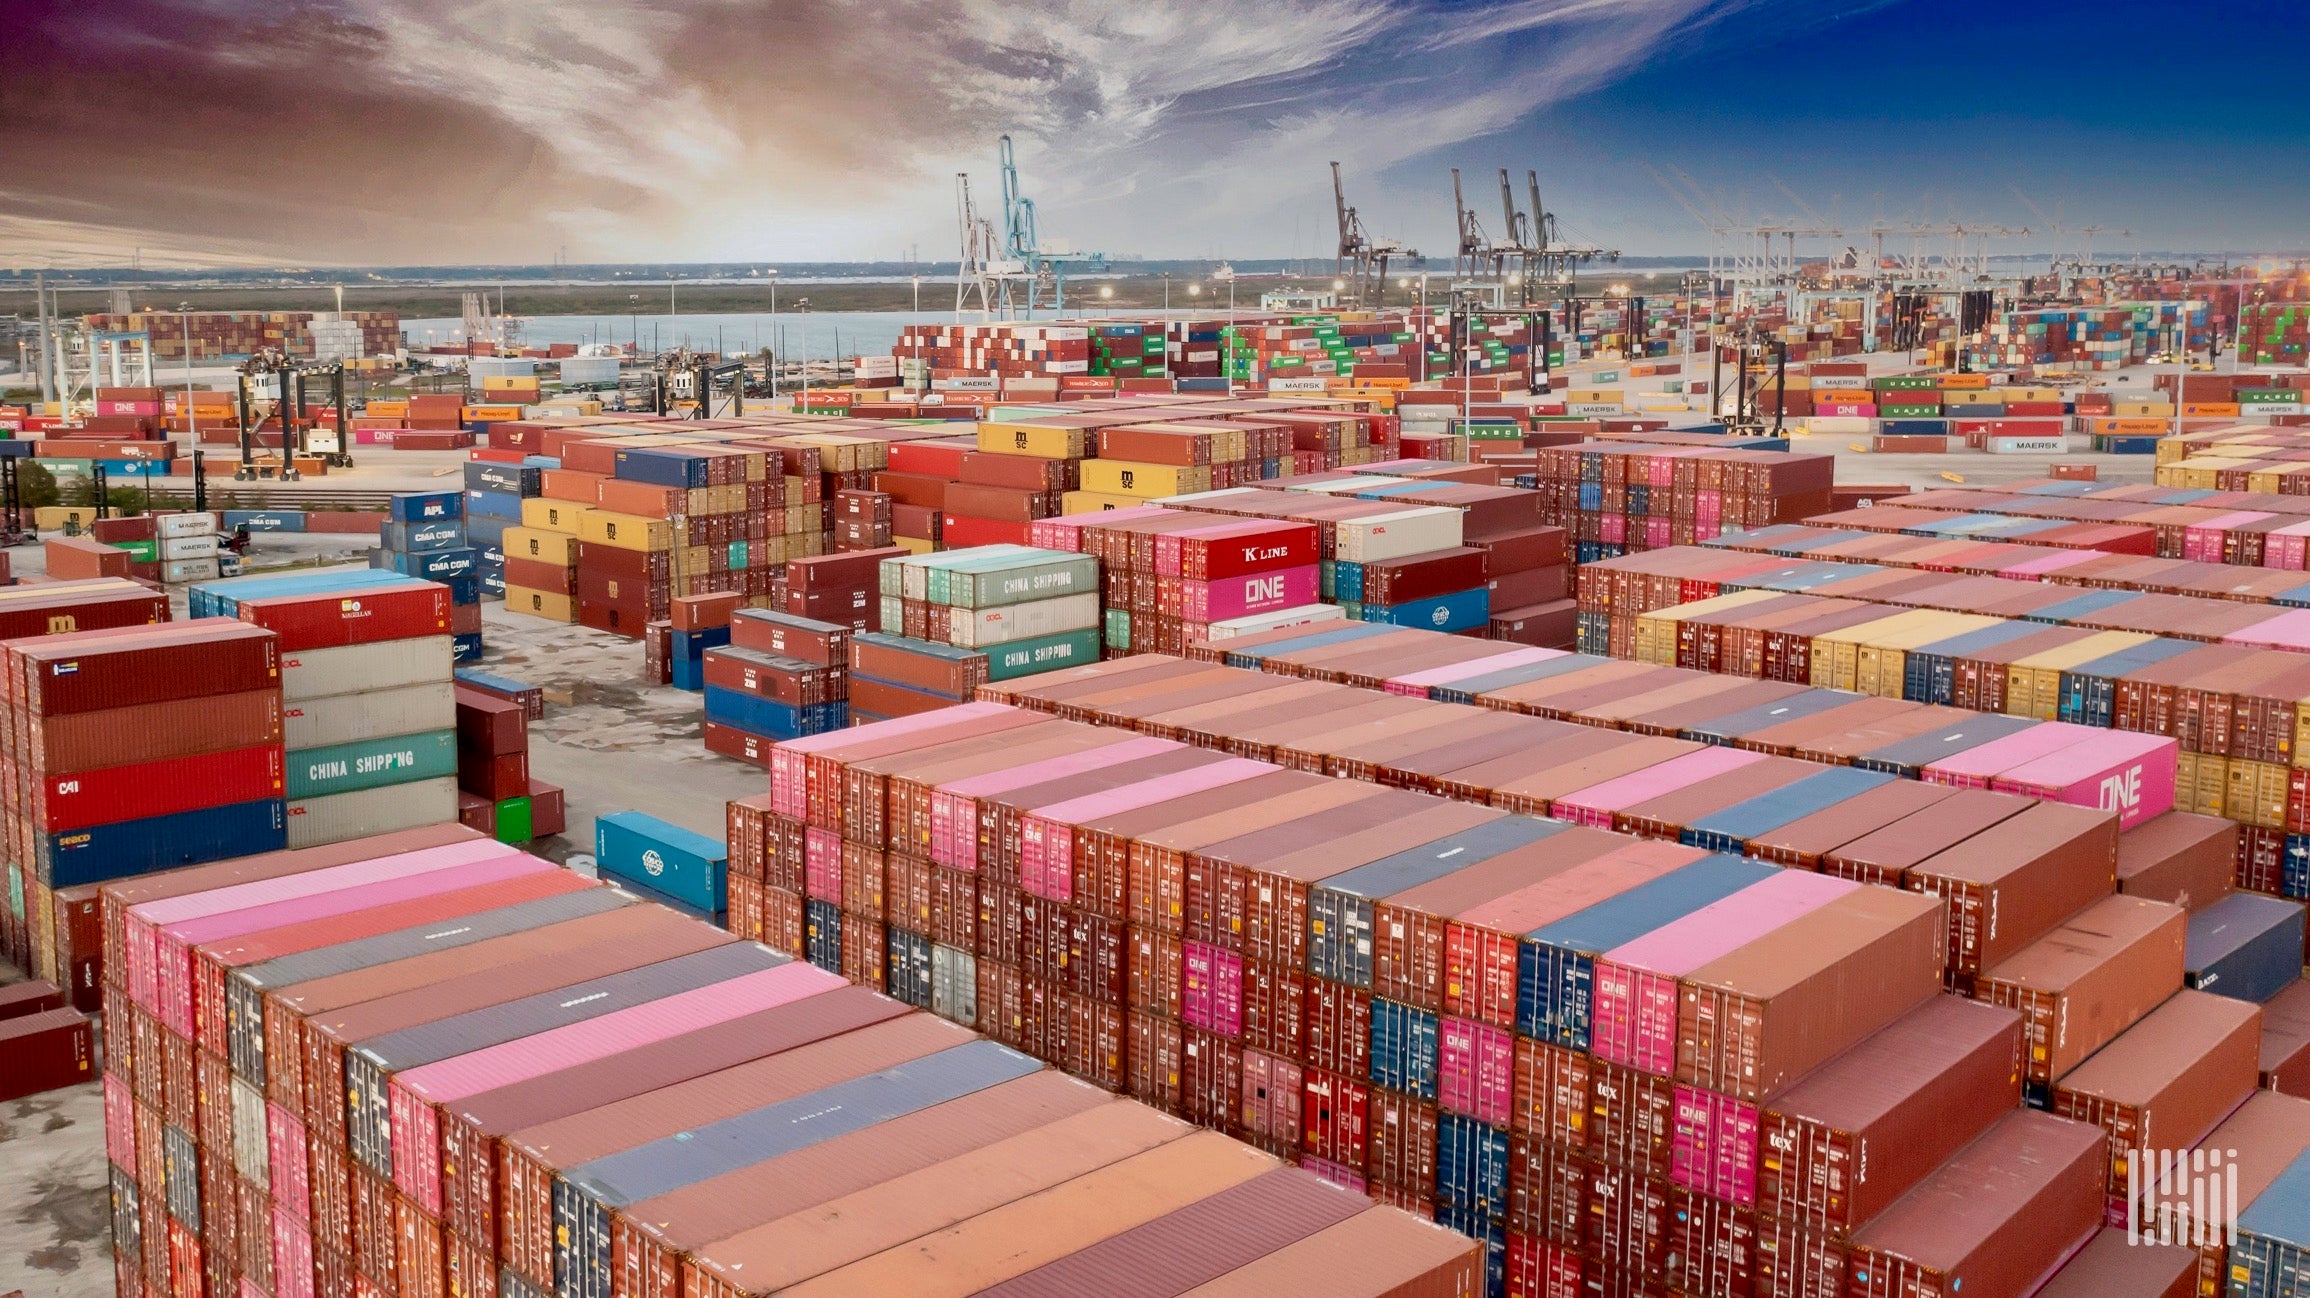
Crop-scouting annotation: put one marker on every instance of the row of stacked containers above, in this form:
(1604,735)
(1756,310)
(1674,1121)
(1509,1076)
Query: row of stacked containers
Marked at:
(426,1064)
(1270,951)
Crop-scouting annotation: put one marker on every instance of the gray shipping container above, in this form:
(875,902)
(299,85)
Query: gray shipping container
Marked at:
(954,985)
(335,817)
(1339,910)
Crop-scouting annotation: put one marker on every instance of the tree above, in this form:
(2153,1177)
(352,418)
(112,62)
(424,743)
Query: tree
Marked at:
(35,485)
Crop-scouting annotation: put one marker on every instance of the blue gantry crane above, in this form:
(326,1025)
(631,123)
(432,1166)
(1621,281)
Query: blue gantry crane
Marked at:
(1023,243)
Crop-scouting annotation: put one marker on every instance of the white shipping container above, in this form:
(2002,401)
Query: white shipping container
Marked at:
(369,714)
(1303,615)
(1839,425)
(252,1155)
(2028,445)
(365,813)
(954,984)
(1394,536)
(979,628)
(1837,382)
(183,572)
(188,547)
(187,524)
(319,673)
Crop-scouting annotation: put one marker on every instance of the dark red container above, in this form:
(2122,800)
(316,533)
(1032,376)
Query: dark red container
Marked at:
(43,1051)
(490,726)
(327,619)
(131,666)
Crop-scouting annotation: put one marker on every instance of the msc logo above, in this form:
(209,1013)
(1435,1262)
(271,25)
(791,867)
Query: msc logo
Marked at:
(1129,479)
(1019,439)
(1440,616)
(653,863)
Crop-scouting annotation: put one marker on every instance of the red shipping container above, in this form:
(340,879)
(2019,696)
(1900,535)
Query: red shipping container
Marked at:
(324,620)
(1272,1091)
(44,1051)
(118,793)
(1334,1111)
(1401,1141)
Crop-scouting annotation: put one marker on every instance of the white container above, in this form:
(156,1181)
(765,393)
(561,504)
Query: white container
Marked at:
(979,628)
(365,813)
(369,714)
(189,547)
(1837,425)
(174,525)
(577,370)
(319,673)
(184,572)
(1395,535)
(252,1154)
(1304,615)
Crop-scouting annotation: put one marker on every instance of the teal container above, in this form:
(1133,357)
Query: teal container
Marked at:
(1042,654)
(372,763)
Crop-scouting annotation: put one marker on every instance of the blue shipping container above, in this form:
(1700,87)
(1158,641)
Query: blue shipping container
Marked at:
(822,934)
(1494,1233)
(223,598)
(1339,910)
(465,648)
(428,565)
(1462,611)
(665,468)
(651,852)
(425,506)
(1911,756)
(423,536)
(506,479)
(2245,946)
(493,504)
(909,968)
(1472,1165)
(103,852)
(1329,633)
(1556,964)
(1733,725)
(1730,829)
(488,531)
(1403,1049)
(2270,1257)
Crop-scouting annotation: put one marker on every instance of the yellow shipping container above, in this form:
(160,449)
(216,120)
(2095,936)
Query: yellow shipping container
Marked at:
(624,531)
(1658,632)
(492,414)
(501,382)
(550,605)
(1038,440)
(1146,481)
(1094,502)
(52,518)
(1837,654)
(2255,793)
(2142,409)
(553,515)
(913,544)
(1882,665)
(2033,684)
(541,545)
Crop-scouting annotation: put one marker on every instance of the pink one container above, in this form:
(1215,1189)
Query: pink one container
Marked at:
(2287,547)
(2053,561)
(1418,684)
(1634,1016)
(416,1122)
(1976,768)
(1252,592)
(1271,1099)
(2130,774)
(1714,1148)
(1595,804)
(1047,836)
(1211,989)
(1475,1070)
(292,1259)
(954,815)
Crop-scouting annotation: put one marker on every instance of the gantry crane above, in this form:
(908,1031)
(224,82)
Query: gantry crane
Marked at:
(1022,242)
(1362,261)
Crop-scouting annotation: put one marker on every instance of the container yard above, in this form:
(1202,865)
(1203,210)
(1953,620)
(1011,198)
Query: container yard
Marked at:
(1543,769)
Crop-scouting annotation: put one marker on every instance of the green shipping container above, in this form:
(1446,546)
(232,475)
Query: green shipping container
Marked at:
(1043,654)
(513,821)
(141,551)
(372,763)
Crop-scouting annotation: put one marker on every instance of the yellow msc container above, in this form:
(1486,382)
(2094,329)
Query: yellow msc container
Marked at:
(2033,684)
(1881,667)
(1045,441)
(1836,661)
(553,606)
(1145,481)
(541,545)
(553,515)
(1095,502)
(625,531)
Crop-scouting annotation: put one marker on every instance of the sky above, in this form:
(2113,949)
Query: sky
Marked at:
(404,132)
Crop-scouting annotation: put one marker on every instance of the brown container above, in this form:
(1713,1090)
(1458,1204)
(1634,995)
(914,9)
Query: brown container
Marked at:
(1805,841)
(1374,1254)
(1408,927)
(1756,1020)
(2091,978)
(44,1051)
(2286,1040)
(1000,814)
(2187,859)
(1211,725)
(1102,848)
(1744,694)
(153,732)
(1159,861)
(972,1227)
(2166,1081)
(1843,1143)
(2010,884)
(2113,1266)
(1577,766)
(1998,1218)
(1886,855)
(887,799)
(1631,1119)
(2260,1139)
(529,1158)
(1039,1110)
(1492,735)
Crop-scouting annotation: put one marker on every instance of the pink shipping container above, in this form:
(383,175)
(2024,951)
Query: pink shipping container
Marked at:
(292,1257)
(1714,1150)
(119,1114)
(1475,1070)
(822,864)
(177,942)
(288,1160)
(2285,548)
(1047,836)
(2032,569)
(1417,684)
(1595,804)
(789,761)
(1335,1173)
(2288,630)
(1975,768)
(144,922)
(1271,1094)
(954,822)
(1211,989)
(1253,592)
(2121,771)
(1634,1019)
(2202,542)
(417,1093)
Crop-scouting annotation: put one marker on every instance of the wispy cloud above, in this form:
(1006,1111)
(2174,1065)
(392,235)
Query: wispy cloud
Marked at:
(423,130)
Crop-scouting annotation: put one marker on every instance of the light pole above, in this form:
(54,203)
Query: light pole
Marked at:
(671,308)
(1166,295)
(184,322)
(634,303)
(775,358)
